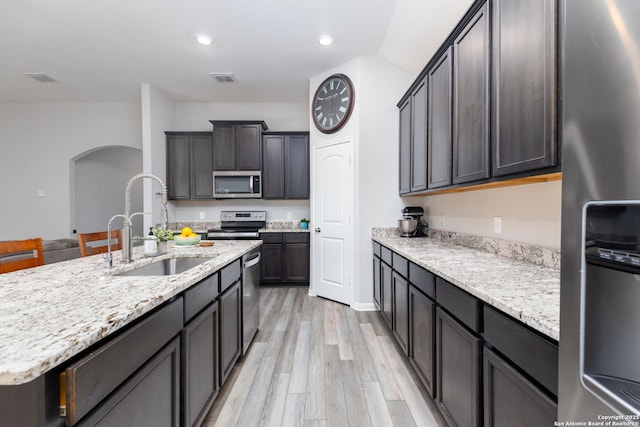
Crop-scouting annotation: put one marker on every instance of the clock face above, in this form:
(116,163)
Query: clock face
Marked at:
(332,103)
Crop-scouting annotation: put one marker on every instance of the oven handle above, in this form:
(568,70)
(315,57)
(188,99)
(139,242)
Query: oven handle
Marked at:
(252,261)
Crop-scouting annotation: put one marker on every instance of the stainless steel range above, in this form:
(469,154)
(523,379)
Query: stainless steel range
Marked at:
(239,225)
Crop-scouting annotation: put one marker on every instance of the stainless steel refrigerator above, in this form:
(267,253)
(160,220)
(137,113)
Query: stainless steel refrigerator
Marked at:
(599,372)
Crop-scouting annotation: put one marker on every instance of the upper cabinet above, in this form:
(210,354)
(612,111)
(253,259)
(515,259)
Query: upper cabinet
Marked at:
(485,105)
(237,145)
(285,165)
(189,165)
(524,85)
(471,100)
(439,123)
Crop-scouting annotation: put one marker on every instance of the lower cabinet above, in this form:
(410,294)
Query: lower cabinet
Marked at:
(422,312)
(155,387)
(285,259)
(230,306)
(511,399)
(376,282)
(400,311)
(386,278)
(200,365)
(458,372)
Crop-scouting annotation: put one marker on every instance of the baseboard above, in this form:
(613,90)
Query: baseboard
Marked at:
(370,306)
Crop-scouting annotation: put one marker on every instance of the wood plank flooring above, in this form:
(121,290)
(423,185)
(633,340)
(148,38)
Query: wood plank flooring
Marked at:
(315,362)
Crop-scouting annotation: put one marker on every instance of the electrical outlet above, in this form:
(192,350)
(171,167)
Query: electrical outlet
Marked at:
(289,215)
(443,222)
(201,215)
(497,224)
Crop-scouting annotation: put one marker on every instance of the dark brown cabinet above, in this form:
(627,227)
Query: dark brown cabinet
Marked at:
(405,147)
(237,145)
(400,311)
(511,399)
(285,259)
(285,165)
(471,100)
(230,306)
(458,372)
(439,122)
(524,85)
(386,278)
(376,282)
(413,141)
(189,165)
(422,312)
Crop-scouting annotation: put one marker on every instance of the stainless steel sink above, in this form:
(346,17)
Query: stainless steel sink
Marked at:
(166,267)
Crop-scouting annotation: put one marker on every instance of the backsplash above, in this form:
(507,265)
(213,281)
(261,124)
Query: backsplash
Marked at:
(203,226)
(520,251)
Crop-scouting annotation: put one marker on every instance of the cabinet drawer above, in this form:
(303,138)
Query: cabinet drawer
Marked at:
(376,249)
(229,275)
(401,265)
(199,296)
(465,307)
(423,280)
(296,237)
(532,353)
(91,379)
(386,255)
(271,237)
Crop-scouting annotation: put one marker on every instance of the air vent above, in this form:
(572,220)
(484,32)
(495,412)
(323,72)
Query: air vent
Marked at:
(223,77)
(41,77)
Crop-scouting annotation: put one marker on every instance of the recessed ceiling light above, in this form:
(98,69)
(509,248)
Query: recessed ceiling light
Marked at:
(325,40)
(203,39)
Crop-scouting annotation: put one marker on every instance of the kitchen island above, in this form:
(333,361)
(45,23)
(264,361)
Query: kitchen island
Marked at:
(54,314)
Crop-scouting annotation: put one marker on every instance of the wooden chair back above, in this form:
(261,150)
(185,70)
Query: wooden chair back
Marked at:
(19,254)
(101,236)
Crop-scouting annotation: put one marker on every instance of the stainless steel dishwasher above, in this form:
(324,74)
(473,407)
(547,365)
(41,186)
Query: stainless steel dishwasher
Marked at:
(250,297)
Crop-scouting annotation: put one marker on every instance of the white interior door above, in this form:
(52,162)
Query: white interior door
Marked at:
(332,221)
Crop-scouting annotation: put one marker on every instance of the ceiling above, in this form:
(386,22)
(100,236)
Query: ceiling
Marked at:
(102,50)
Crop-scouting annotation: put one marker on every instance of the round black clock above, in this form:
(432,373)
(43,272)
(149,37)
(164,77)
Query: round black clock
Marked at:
(332,103)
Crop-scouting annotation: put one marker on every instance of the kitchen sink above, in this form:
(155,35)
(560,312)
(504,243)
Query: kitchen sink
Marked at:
(166,267)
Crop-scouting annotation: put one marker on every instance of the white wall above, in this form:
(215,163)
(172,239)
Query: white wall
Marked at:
(373,126)
(277,210)
(37,143)
(530,213)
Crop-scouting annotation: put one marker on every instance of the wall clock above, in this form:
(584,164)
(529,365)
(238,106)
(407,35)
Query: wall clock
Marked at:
(332,103)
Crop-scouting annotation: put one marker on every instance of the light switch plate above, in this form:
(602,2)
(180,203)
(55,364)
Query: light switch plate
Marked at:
(497,224)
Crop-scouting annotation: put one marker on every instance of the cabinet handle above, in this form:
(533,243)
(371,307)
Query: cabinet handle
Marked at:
(317,229)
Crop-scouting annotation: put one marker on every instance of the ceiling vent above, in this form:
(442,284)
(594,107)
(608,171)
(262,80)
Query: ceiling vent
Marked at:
(223,77)
(41,77)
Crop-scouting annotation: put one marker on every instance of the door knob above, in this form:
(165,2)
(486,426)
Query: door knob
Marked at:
(317,229)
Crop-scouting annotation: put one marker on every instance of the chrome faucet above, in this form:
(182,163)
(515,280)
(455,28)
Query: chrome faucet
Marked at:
(109,257)
(126,229)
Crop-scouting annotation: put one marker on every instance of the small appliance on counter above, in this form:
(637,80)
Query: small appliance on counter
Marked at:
(412,224)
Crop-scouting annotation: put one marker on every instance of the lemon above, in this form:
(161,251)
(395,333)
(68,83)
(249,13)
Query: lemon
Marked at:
(186,231)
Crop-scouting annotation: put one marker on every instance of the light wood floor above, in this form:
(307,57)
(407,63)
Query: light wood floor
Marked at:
(315,362)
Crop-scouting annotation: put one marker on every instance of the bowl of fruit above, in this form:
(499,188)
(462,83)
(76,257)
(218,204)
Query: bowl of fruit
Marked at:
(186,237)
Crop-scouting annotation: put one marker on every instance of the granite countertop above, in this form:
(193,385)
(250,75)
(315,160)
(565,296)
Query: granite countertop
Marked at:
(528,292)
(49,314)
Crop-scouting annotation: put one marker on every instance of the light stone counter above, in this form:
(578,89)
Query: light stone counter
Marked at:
(49,314)
(528,292)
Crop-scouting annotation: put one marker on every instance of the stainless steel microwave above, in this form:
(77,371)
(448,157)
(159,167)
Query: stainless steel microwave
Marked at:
(237,184)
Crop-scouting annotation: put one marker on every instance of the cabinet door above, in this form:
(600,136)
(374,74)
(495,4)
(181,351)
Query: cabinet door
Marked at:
(224,147)
(386,297)
(201,147)
(376,281)
(296,257)
(230,305)
(471,100)
(150,398)
(297,167)
(458,372)
(273,167)
(248,147)
(419,122)
(200,365)
(272,263)
(400,311)
(524,85)
(510,399)
(422,312)
(178,181)
(439,123)
(405,147)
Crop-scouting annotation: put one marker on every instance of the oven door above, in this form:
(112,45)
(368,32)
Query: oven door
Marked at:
(237,185)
